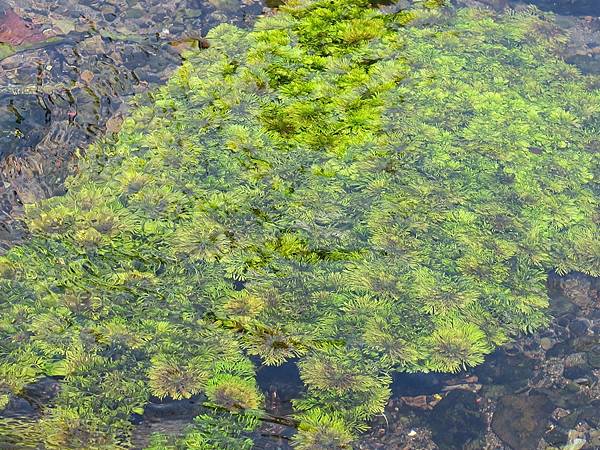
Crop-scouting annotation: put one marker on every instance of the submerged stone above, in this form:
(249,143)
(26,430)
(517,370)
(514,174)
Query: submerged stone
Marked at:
(579,327)
(457,422)
(520,420)
(14,30)
(570,7)
(594,357)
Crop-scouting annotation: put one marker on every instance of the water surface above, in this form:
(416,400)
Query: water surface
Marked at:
(59,95)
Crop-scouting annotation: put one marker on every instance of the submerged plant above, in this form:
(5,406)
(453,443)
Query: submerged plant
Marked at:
(169,378)
(360,191)
(323,431)
(233,393)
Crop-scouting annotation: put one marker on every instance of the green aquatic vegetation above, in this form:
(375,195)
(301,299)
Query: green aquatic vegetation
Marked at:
(319,430)
(216,430)
(356,191)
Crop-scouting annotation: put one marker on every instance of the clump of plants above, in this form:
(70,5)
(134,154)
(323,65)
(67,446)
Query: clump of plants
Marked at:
(356,190)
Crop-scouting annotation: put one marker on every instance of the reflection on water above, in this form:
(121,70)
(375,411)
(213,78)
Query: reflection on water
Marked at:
(60,94)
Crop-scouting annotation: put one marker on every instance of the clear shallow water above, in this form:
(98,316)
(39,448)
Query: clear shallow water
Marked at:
(60,94)
(426,410)
(570,7)
(539,392)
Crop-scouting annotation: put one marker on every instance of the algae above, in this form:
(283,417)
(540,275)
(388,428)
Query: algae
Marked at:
(359,191)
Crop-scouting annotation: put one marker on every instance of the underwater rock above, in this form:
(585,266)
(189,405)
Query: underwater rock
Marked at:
(591,413)
(585,344)
(576,372)
(575,359)
(578,289)
(457,421)
(546,343)
(169,409)
(18,407)
(34,397)
(576,442)
(569,7)
(593,357)
(42,391)
(14,30)
(579,327)
(508,371)
(418,384)
(558,350)
(520,420)
(418,401)
(569,421)
(556,437)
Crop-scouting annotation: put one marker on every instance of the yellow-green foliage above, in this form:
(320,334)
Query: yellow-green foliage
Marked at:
(334,186)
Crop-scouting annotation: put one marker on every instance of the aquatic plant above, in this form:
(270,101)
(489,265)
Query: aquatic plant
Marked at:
(217,430)
(364,191)
(320,430)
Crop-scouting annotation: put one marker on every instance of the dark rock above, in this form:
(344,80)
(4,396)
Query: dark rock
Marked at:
(591,414)
(169,409)
(556,437)
(594,357)
(558,350)
(18,407)
(576,359)
(520,420)
(42,391)
(33,398)
(570,388)
(569,421)
(573,373)
(513,372)
(136,419)
(585,343)
(565,320)
(578,327)
(457,422)
(560,333)
(570,7)
(414,384)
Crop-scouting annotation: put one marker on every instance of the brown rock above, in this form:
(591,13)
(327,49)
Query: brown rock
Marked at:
(87,76)
(520,420)
(113,125)
(16,31)
(419,401)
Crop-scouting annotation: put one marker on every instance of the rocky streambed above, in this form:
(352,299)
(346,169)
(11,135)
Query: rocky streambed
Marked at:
(69,69)
(540,392)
